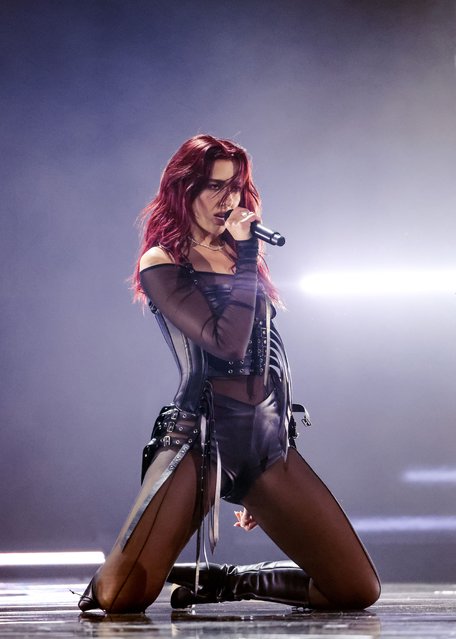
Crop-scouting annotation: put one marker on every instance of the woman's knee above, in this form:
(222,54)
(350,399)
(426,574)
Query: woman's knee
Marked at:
(371,592)
(358,595)
(130,591)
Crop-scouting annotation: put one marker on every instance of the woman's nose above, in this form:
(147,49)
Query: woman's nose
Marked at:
(229,201)
(232,199)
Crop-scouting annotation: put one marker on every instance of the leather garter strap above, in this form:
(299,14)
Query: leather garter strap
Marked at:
(180,430)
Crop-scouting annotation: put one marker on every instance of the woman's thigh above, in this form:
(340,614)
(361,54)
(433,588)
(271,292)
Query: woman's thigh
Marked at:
(136,572)
(295,508)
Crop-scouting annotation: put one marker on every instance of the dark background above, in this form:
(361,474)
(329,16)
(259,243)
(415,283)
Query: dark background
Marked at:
(348,110)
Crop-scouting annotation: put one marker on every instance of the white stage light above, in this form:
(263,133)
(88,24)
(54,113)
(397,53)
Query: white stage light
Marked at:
(405,524)
(380,282)
(51,558)
(430,476)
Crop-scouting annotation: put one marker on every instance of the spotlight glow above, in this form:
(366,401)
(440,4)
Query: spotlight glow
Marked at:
(380,282)
(430,476)
(406,524)
(51,558)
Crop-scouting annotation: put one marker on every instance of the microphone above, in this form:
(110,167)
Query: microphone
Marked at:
(267,235)
(263,233)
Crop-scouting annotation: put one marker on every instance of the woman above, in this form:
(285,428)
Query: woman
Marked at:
(230,428)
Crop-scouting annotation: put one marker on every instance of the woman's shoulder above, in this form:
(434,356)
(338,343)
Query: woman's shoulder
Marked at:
(155,256)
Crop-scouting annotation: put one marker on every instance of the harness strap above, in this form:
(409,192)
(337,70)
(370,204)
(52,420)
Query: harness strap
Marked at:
(215,510)
(207,437)
(268,341)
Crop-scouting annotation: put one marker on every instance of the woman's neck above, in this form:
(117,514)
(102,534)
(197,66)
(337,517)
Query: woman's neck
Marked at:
(202,238)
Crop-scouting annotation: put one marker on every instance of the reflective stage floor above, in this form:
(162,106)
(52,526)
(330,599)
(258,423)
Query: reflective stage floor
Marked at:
(48,609)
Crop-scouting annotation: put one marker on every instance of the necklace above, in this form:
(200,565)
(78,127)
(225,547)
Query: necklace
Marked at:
(211,248)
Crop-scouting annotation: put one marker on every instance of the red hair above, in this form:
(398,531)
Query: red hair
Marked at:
(166,220)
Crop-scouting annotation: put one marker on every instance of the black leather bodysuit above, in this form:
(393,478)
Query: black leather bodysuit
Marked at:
(219,328)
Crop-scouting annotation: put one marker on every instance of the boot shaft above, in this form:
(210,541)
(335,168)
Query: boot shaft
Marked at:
(275,581)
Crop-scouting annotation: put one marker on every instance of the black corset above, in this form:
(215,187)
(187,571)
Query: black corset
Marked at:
(254,359)
(253,362)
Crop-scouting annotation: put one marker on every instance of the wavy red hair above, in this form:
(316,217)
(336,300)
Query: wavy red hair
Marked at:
(166,220)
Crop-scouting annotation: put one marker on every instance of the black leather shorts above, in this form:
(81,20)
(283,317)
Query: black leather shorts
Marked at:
(250,439)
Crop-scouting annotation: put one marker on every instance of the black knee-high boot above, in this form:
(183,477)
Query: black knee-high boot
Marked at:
(278,581)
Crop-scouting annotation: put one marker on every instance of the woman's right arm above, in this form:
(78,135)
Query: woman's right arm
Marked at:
(174,291)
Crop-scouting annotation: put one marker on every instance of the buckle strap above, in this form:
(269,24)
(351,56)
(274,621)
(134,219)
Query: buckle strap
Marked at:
(172,429)
(207,437)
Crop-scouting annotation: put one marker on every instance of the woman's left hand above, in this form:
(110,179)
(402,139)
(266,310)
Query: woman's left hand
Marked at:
(245,520)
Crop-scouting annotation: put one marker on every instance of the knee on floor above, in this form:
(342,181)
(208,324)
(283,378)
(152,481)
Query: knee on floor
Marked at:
(122,595)
(360,595)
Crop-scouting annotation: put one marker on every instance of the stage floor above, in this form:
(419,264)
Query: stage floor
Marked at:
(48,609)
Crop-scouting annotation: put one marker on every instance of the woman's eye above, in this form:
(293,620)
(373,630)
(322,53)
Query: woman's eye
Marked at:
(213,187)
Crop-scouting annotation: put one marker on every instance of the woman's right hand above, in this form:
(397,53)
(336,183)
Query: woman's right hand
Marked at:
(239,221)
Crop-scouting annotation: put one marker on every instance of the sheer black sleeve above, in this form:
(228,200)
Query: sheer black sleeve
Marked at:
(225,334)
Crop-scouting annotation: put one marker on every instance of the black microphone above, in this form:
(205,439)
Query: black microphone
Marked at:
(263,233)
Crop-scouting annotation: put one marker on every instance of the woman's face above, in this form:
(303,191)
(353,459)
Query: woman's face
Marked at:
(208,208)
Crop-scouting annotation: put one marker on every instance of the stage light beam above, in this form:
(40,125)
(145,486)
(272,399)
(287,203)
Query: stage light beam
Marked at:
(51,558)
(380,282)
(442,475)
